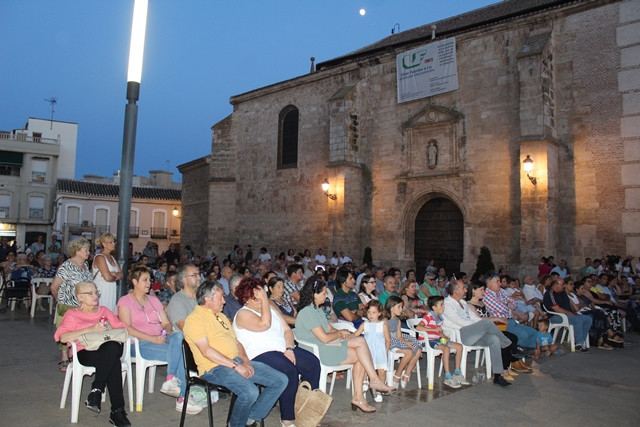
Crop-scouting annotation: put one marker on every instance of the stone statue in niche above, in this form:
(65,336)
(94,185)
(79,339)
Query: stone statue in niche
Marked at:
(432,154)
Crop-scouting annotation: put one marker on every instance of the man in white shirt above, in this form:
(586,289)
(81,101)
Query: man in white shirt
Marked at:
(264,255)
(321,259)
(561,269)
(344,258)
(334,261)
(474,330)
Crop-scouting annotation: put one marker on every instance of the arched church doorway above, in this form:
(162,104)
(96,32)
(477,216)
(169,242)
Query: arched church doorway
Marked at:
(439,235)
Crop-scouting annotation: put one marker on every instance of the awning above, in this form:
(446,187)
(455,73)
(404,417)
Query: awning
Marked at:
(10,158)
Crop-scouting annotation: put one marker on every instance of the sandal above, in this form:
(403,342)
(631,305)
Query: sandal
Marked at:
(396,381)
(403,382)
(63,365)
(362,405)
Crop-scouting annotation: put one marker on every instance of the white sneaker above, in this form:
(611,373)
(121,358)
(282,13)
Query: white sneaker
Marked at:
(451,382)
(192,408)
(171,387)
(378,397)
(460,379)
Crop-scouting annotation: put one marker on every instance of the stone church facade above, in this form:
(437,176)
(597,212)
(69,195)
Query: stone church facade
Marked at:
(440,177)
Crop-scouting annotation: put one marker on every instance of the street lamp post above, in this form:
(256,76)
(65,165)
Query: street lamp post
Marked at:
(136,51)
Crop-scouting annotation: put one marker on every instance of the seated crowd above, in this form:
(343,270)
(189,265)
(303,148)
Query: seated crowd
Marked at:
(251,324)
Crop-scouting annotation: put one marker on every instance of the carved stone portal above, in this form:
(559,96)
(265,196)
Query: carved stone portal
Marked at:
(433,139)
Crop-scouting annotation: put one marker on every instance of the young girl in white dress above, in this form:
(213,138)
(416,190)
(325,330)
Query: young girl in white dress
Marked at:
(376,333)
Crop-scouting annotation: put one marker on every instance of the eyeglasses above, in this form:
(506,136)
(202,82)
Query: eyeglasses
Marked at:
(371,281)
(149,320)
(96,293)
(224,325)
(193,275)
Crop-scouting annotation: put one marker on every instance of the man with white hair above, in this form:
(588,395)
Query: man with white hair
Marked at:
(475,331)
(225,275)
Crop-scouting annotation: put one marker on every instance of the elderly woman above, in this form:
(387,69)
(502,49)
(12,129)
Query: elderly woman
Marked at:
(267,338)
(428,287)
(145,319)
(46,271)
(336,347)
(278,301)
(106,359)
(70,272)
(106,271)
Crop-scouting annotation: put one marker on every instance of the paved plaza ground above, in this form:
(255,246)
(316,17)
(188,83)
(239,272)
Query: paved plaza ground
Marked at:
(596,389)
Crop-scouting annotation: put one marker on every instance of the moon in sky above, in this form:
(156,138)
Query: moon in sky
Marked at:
(362,12)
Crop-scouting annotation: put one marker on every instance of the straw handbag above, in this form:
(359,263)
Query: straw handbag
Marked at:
(311,405)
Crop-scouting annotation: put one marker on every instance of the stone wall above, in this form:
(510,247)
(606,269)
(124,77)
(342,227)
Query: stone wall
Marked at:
(562,104)
(195,208)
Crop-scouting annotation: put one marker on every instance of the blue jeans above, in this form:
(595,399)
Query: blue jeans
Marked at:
(526,335)
(581,325)
(250,403)
(170,351)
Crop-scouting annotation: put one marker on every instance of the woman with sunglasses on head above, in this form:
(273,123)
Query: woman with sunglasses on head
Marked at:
(106,271)
(89,316)
(146,320)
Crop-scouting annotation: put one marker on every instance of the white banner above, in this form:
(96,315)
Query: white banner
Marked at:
(428,70)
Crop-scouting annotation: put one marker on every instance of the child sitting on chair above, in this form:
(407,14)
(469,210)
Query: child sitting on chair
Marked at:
(544,341)
(432,325)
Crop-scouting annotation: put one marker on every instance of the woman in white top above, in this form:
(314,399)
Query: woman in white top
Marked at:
(106,271)
(267,338)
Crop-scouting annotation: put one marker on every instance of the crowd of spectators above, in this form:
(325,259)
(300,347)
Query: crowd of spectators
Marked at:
(353,312)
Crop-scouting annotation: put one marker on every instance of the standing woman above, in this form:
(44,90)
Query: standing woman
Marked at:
(106,271)
(146,320)
(70,273)
(106,359)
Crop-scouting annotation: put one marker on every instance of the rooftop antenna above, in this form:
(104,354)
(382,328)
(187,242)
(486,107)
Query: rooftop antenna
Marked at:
(52,101)
(393,30)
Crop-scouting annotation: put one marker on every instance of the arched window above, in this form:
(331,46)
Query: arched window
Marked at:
(288,138)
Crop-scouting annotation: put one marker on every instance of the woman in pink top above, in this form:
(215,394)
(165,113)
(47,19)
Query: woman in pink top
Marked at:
(106,359)
(146,320)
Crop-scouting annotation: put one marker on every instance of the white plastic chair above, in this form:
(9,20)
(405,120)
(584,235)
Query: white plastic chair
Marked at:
(76,372)
(35,283)
(141,370)
(454,334)
(393,356)
(556,327)
(432,353)
(327,369)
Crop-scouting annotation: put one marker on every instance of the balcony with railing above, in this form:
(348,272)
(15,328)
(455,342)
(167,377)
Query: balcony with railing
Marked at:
(134,231)
(158,233)
(21,137)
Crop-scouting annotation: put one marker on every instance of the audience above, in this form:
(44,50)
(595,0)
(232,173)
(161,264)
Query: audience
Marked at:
(499,316)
